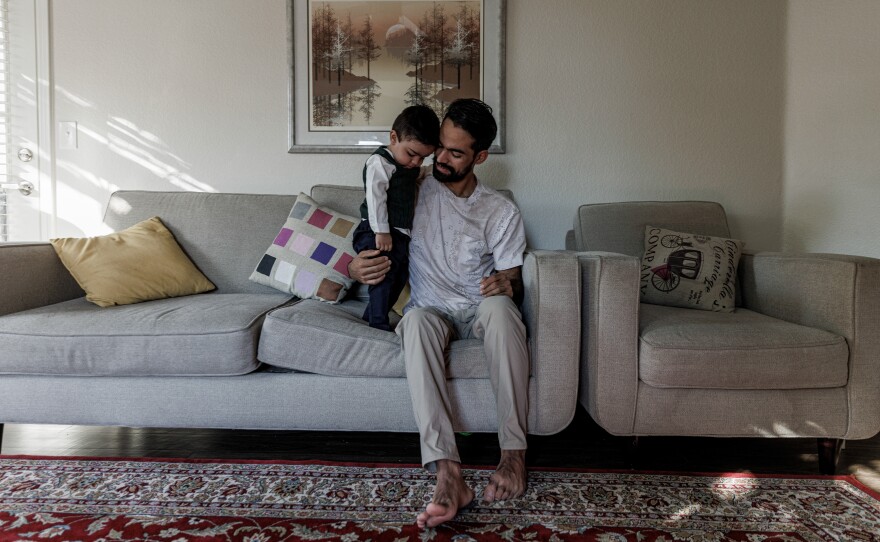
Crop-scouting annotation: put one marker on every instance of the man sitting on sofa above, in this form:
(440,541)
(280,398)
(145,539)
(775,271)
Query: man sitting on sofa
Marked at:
(466,258)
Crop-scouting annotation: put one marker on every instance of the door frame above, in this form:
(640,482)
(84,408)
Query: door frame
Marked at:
(45,118)
(30,121)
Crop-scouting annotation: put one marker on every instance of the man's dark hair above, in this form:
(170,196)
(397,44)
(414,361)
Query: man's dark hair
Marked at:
(418,122)
(474,117)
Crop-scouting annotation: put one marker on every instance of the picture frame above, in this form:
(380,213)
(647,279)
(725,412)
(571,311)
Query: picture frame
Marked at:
(336,70)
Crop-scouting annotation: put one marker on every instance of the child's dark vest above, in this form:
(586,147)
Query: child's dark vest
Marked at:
(401,195)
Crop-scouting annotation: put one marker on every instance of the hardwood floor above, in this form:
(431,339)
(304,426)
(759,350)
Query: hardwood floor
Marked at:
(583,444)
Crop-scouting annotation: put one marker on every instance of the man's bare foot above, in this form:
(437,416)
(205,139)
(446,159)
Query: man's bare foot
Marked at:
(509,479)
(450,495)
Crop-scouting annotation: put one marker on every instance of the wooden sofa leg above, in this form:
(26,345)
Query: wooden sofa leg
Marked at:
(829,454)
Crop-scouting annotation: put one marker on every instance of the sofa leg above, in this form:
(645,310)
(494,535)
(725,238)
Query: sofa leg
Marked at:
(1,436)
(633,453)
(829,454)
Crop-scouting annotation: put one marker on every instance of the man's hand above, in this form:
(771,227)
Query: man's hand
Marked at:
(383,241)
(507,282)
(369,267)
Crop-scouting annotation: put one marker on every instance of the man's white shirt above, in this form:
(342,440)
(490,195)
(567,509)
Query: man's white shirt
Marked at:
(458,241)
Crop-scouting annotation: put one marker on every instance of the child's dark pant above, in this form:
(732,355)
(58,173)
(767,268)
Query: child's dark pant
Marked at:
(385,294)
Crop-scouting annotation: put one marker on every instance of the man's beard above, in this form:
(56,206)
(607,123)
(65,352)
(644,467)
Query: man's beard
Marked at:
(452,176)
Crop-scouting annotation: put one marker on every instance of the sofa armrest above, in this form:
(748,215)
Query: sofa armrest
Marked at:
(33,276)
(837,293)
(552,319)
(610,339)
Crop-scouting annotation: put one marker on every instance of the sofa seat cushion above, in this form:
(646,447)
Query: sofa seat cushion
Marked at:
(685,348)
(333,340)
(207,334)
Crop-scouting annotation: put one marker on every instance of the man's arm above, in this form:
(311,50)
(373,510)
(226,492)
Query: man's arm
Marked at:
(369,267)
(508,245)
(506,282)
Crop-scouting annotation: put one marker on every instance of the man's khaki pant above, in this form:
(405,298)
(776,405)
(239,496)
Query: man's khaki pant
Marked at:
(426,332)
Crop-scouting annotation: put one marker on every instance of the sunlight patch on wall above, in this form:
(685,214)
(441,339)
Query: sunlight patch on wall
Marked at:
(81,211)
(26,90)
(81,174)
(85,130)
(135,145)
(83,193)
(73,98)
(144,138)
(119,206)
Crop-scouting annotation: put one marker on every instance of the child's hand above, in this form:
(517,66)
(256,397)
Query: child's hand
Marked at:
(383,241)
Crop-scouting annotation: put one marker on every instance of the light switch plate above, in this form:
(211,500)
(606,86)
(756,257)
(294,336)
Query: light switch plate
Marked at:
(67,136)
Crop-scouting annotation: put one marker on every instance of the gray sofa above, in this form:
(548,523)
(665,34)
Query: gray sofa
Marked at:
(798,357)
(248,356)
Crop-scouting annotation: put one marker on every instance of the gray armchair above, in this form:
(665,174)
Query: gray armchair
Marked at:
(800,356)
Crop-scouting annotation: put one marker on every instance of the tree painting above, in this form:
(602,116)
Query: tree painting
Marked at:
(368,49)
(458,51)
(370,59)
(338,54)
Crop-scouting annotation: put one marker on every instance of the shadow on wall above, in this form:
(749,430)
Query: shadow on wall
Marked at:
(82,194)
(810,216)
(757,222)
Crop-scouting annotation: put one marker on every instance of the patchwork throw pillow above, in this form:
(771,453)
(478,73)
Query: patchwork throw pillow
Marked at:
(140,263)
(687,270)
(310,255)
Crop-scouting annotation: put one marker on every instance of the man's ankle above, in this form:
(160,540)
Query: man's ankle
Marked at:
(448,467)
(513,453)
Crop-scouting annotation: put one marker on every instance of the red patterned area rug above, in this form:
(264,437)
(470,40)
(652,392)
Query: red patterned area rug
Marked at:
(188,500)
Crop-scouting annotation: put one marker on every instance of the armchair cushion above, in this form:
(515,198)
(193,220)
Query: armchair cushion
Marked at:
(682,269)
(682,348)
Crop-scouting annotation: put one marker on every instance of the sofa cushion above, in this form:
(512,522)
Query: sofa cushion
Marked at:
(208,334)
(333,340)
(684,348)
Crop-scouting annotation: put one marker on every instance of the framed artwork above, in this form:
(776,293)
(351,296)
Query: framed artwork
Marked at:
(356,64)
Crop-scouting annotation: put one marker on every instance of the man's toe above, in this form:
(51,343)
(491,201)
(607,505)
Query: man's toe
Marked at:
(489,492)
(438,514)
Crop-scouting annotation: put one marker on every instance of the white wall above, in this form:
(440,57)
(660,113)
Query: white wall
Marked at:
(607,100)
(832,127)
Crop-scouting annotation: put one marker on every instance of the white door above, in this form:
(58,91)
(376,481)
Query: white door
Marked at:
(21,218)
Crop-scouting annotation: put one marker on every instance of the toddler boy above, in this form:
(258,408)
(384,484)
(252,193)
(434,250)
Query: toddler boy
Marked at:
(390,181)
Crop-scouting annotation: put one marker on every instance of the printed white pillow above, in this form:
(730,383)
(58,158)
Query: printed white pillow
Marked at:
(691,271)
(310,255)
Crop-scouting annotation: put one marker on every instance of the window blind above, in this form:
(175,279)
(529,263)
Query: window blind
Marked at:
(4,117)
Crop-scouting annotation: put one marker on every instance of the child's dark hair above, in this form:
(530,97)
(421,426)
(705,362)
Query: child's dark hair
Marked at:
(418,122)
(474,117)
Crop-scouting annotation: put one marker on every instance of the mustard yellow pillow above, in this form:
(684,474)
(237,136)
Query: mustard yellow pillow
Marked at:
(137,264)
